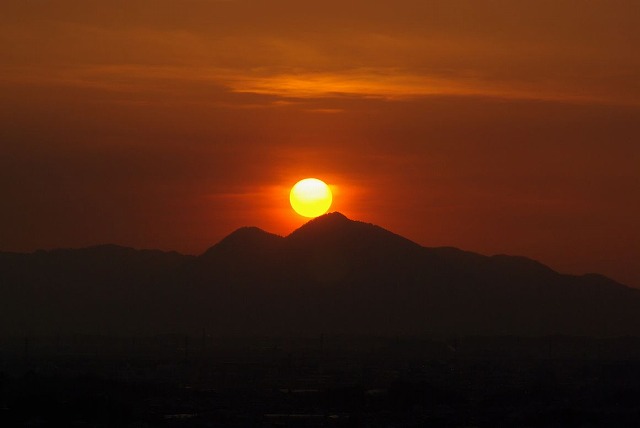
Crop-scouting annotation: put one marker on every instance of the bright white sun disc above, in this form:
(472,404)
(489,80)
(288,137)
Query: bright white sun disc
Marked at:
(310,197)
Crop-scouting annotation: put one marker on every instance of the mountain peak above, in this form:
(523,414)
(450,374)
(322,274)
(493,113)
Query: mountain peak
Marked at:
(245,237)
(332,217)
(326,223)
(246,231)
(335,228)
(336,215)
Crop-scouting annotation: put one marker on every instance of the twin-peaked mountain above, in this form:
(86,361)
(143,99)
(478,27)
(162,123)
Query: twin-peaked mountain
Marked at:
(332,275)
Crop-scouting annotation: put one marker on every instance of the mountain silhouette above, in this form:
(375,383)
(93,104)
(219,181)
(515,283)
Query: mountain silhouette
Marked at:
(331,275)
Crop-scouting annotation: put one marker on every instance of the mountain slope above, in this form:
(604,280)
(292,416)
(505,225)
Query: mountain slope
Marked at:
(332,275)
(103,289)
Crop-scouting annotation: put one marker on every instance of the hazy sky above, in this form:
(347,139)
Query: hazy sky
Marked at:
(494,126)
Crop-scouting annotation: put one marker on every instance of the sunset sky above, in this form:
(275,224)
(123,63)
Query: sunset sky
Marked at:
(507,127)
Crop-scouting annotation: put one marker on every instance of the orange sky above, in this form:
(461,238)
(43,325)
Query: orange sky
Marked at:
(493,126)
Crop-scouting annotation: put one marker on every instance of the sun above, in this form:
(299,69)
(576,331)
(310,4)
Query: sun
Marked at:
(310,197)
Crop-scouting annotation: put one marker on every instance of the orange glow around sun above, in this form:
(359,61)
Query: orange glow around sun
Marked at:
(310,197)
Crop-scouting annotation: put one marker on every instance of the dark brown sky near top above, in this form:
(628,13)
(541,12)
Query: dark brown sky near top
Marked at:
(493,126)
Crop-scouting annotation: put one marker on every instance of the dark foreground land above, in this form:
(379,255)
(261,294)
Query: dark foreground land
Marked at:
(173,381)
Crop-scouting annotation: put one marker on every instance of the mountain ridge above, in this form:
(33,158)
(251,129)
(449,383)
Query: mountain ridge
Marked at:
(332,274)
(257,231)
